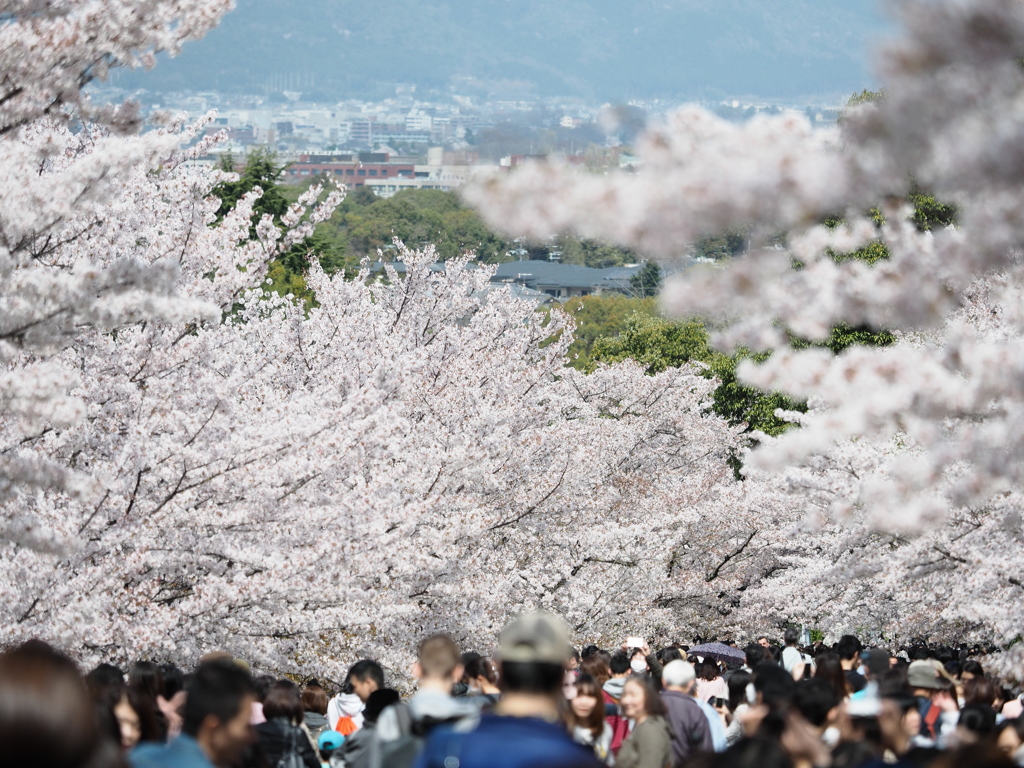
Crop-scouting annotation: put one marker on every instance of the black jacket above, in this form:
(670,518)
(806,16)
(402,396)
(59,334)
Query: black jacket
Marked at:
(278,737)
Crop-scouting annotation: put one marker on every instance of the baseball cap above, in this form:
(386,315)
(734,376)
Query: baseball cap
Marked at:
(535,638)
(329,740)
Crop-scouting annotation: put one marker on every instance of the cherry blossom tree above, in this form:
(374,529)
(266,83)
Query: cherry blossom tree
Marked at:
(911,456)
(54,183)
(300,486)
(193,463)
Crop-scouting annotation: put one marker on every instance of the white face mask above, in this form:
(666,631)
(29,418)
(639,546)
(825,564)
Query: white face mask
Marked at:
(751,694)
(638,665)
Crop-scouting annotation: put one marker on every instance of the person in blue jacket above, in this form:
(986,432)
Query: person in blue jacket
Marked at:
(525,729)
(216,729)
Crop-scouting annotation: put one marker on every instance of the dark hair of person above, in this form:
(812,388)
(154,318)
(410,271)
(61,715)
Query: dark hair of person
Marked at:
(653,705)
(974,667)
(283,700)
(791,636)
(848,647)
(918,653)
(814,699)
(828,668)
(217,688)
(893,682)
(104,699)
(596,667)
(667,655)
(314,699)
(708,670)
(107,698)
(262,686)
(103,675)
(365,669)
(981,690)
(468,657)
(377,701)
(174,680)
(531,677)
(45,713)
(978,718)
(754,653)
(147,682)
(573,653)
(147,679)
(483,667)
(738,682)
(975,755)
(588,651)
(754,752)
(587,686)
(619,663)
(775,685)
(852,754)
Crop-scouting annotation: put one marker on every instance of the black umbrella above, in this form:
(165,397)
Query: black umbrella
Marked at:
(719,651)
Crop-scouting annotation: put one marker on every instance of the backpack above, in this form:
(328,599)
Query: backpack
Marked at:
(291,758)
(346,726)
(403,751)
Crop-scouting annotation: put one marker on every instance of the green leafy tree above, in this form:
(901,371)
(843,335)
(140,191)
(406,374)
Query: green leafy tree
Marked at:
(593,253)
(260,170)
(646,282)
(722,246)
(364,223)
(657,343)
(286,273)
(600,317)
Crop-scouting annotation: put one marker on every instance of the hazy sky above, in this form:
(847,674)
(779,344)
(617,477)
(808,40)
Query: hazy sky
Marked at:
(597,49)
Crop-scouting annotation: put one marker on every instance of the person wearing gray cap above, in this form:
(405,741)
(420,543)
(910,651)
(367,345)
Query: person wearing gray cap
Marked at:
(525,729)
(931,690)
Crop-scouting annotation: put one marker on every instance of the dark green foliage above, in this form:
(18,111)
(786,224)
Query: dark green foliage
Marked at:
(657,343)
(364,223)
(593,253)
(597,318)
(843,336)
(287,272)
(259,170)
(646,282)
(721,246)
(930,213)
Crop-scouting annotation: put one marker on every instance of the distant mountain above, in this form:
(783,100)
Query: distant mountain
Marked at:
(596,49)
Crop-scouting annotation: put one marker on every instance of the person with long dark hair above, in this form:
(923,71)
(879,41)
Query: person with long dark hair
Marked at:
(146,681)
(585,718)
(830,669)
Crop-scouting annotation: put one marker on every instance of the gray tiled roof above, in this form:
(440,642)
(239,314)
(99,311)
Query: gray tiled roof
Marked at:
(551,274)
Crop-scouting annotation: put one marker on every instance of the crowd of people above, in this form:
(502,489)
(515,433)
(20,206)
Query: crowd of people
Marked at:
(538,703)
